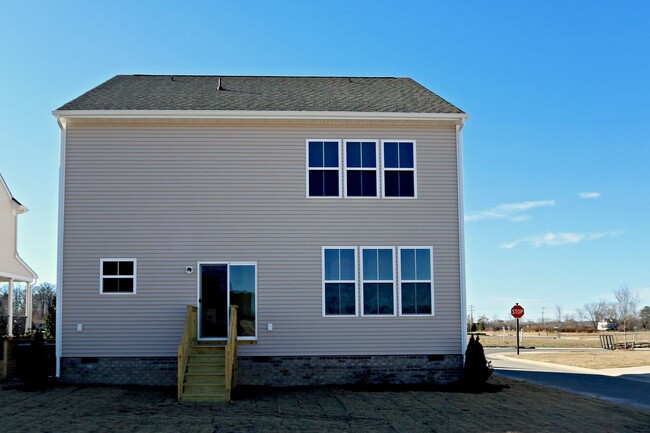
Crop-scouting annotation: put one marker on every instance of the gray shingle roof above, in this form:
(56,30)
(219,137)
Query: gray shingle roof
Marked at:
(191,92)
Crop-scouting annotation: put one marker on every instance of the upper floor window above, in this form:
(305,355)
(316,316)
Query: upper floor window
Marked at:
(378,281)
(361,168)
(339,281)
(117,275)
(323,168)
(399,169)
(416,280)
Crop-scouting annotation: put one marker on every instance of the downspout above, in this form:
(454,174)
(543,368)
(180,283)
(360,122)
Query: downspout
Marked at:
(59,261)
(461,235)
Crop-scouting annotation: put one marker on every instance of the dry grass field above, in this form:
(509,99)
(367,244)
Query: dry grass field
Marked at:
(554,339)
(511,407)
(597,359)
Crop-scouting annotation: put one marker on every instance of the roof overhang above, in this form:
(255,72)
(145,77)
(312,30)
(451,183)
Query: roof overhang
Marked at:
(63,116)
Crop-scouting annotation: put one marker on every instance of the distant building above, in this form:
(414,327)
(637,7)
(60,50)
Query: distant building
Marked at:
(607,325)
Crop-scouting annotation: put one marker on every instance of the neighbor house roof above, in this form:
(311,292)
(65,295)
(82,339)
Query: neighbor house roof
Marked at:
(246,93)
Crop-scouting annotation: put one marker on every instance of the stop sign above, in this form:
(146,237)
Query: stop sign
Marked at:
(517,311)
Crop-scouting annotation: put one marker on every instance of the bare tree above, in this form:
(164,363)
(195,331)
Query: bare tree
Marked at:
(43,297)
(627,304)
(594,312)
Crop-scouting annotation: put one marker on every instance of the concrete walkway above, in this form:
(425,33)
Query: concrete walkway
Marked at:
(628,386)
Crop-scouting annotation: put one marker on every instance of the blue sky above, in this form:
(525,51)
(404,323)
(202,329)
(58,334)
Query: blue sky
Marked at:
(558,93)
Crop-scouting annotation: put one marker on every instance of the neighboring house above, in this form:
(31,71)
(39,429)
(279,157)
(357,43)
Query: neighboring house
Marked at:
(607,325)
(328,209)
(12,268)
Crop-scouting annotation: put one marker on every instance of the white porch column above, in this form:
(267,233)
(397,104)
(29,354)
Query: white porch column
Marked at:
(10,308)
(28,308)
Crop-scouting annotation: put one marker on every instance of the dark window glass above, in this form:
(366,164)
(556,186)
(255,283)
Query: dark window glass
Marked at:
(399,184)
(315,154)
(368,155)
(370,271)
(347,265)
(125,268)
(242,294)
(406,155)
(378,298)
(323,183)
(385,265)
(416,298)
(331,154)
(354,183)
(109,268)
(339,299)
(118,285)
(361,183)
(407,264)
(353,154)
(391,156)
(423,264)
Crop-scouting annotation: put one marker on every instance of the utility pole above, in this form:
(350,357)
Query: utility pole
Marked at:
(471,314)
(544,324)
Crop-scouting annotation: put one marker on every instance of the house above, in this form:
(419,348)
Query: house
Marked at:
(328,209)
(13,269)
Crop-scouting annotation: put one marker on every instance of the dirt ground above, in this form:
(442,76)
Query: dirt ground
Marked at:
(597,359)
(510,407)
(554,339)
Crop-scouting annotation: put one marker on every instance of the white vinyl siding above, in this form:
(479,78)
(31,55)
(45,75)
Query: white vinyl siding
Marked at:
(173,195)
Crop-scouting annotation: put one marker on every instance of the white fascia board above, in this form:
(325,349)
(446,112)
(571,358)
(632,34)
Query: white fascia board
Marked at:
(17,208)
(63,115)
(27,268)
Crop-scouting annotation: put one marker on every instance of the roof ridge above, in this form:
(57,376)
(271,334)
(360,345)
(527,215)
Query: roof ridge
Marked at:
(262,76)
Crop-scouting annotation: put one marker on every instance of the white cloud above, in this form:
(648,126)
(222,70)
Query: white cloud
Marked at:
(509,211)
(589,195)
(557,239)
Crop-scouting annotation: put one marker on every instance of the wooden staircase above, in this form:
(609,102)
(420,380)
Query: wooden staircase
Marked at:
(206,371)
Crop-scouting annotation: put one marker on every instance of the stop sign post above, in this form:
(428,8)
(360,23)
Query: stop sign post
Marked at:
(517,312)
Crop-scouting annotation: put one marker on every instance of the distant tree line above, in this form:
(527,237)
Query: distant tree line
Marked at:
(624,314)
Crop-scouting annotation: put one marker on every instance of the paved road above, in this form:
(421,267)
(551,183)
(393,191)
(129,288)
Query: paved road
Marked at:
(631,388)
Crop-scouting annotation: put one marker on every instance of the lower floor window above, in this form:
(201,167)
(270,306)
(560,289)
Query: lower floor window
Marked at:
(339,281)
(117,276)
(416,280)
(340,299)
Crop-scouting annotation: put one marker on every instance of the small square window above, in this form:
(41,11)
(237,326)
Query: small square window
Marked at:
(117,276)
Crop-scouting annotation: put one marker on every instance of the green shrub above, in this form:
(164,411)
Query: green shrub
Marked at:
(477,368)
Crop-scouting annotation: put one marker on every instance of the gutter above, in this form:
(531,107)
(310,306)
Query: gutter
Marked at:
(59,262)
(63,115)
(461,235)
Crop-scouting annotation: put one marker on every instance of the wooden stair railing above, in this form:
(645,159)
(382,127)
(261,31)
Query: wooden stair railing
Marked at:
(231,353)
(189,337)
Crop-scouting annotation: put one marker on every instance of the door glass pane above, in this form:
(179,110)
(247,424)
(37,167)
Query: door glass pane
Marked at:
(242,294)
(214,301)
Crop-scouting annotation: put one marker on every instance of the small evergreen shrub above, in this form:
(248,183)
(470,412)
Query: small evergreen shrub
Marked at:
(477,368)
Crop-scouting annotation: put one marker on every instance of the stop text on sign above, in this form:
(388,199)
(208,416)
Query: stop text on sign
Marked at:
(517,311)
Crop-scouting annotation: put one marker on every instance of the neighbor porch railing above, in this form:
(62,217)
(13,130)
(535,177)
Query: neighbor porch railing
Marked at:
(231,353)
(189,336)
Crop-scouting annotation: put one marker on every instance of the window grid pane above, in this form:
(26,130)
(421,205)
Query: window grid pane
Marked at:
(339,281)
(377,284)
(416,281)
(323,166)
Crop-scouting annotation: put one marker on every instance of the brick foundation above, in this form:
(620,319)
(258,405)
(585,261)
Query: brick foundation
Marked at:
(276,370)
(158,371)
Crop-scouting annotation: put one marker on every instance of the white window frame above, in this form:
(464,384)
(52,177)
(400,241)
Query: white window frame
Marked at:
(346,168)
(355,281)
(337,169)
(400,280)
(414,169)
(102,276)
(393,281)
